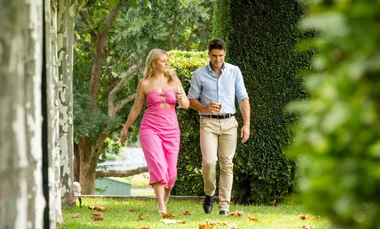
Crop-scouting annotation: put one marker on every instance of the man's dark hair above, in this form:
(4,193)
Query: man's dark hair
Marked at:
(217,43)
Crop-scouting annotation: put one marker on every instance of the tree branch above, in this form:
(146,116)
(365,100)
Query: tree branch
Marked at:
(99,55)
(122,173)
(111,106)
(124,101)
(188,42)
(99,144)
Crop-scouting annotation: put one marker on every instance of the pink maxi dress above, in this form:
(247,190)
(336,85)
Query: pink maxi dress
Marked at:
(159,137)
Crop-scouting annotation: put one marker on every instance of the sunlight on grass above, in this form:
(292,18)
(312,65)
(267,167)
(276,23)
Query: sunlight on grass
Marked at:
(117,215)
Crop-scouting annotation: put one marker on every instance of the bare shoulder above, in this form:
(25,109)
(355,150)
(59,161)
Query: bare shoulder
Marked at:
(143,85)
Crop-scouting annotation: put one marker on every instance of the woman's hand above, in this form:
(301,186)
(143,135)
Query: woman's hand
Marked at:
(124,135)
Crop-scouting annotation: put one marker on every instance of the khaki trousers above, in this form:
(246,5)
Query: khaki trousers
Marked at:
(218,141)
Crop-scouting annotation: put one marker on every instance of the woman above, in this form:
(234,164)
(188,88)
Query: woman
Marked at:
(159,130)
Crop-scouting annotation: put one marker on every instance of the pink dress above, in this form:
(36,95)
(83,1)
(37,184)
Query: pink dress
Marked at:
(159,137)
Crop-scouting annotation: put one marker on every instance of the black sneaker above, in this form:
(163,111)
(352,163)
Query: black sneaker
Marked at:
(207,204)
(224,212)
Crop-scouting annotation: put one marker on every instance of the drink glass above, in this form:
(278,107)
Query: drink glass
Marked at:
(178,91)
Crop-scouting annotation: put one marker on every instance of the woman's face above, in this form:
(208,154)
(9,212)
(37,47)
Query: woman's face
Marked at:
(162,64)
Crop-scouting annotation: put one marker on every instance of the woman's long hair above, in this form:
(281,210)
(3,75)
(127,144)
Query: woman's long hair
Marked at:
(152,58)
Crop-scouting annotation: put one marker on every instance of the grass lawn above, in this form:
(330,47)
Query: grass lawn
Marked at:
(118,215)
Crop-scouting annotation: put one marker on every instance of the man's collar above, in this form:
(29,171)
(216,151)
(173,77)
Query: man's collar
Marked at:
(210,69)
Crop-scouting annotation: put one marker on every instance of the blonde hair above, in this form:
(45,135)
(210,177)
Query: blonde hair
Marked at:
(152,58)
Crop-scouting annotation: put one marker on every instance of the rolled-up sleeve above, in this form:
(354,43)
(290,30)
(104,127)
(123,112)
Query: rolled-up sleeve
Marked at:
(195,87)
(241,91)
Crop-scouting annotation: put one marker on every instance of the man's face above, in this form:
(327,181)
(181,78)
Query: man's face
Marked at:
(217,58)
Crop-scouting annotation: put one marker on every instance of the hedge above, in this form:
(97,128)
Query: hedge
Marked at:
(261,42)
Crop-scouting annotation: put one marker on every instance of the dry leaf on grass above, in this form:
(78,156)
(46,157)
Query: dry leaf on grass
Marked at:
(74,215)
(307,227)
(307,217)
(209,225)
(97,216)
(131,211)
(99,208)
(142,217)
(237,213)
(143,228)
(273,203)
(167,215)
(253,219)
(186,213)
(173,221)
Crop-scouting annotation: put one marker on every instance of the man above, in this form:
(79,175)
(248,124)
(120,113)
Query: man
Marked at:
(212,92)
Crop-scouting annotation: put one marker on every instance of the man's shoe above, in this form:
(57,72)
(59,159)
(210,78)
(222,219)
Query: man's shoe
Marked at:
(224,212)
(207,204)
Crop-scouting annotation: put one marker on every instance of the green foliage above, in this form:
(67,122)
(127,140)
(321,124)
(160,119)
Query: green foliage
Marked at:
(261,42)
(337,138)
(189,180)
(166,24)
(222,19)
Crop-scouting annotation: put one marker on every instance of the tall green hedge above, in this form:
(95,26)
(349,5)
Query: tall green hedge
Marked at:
(337,139)
(221,19)
(261,42)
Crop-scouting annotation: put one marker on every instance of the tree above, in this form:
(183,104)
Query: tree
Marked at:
(109,41)
(20,119)
(66,15)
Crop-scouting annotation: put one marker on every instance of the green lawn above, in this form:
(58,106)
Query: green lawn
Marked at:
(116,215)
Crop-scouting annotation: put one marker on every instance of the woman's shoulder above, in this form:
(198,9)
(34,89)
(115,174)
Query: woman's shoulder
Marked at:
(144,85)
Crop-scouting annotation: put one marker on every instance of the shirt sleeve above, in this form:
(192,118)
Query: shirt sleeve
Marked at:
(195,87)
(241,91)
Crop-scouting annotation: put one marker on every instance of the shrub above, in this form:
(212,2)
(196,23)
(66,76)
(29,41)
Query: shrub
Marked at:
(337,138)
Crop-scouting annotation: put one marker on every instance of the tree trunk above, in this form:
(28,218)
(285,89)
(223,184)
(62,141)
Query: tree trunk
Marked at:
(52,84)
(88,164)
(21,198)
(65,26)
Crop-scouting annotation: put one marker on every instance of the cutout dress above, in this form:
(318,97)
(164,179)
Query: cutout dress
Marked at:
(159,137)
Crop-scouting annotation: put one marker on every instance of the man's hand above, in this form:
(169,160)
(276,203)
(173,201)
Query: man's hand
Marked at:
(213,108)
(124,135)
(244,133)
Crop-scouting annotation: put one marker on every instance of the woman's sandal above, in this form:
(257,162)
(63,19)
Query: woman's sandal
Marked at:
(161,211)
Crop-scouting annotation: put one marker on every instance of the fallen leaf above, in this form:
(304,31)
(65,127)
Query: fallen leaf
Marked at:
(237,213)
(99,208)
(273,203)
(307,227)
(131,211)
(74,215)
(167,215)
(253,219)
(173,221)
(142,217)
(186,213)
(206,225)
(307,217)
(98,216)
(143,228)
